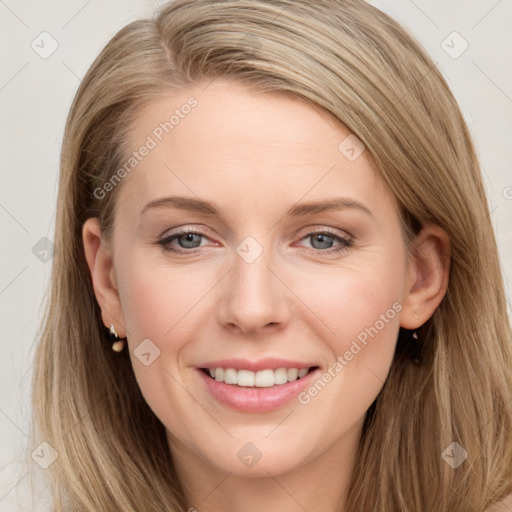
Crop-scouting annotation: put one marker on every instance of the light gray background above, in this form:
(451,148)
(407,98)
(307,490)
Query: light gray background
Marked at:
(36,93)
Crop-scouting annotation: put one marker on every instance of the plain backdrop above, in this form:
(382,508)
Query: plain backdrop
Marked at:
(47,48)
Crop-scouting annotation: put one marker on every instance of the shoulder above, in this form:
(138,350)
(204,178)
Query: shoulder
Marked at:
(504,505)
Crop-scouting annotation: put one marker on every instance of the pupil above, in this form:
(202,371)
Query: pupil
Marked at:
(189,239)
(324,240)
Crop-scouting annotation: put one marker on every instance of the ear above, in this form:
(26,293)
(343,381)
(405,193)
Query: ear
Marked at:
(428,274)
(99,261)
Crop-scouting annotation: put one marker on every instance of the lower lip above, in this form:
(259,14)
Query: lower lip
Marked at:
(253,399)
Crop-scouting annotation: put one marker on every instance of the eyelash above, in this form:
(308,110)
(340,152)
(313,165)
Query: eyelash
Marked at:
(346,242)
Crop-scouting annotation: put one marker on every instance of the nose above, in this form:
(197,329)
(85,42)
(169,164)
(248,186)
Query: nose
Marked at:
(254,297)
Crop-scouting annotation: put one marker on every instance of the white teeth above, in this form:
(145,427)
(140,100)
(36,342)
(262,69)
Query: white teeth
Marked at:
(230,376)
(264,379)
(260,379)
(245,378)
(302,372)
(280,376)
(292,374)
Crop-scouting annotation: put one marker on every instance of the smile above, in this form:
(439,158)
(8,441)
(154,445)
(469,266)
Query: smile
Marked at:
(260,379)
(256,386)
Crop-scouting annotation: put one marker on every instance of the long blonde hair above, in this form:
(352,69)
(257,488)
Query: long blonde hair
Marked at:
(365,70)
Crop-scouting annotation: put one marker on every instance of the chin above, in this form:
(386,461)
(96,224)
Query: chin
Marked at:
(258,456)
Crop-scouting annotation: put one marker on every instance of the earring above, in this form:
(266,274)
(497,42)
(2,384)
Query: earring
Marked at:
(415,352)
(118,345)
(409,346)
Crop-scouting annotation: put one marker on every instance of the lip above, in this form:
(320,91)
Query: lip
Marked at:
(255,366)
(257,400)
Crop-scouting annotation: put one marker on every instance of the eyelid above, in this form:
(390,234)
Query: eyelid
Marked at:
(327,229)
(183,230)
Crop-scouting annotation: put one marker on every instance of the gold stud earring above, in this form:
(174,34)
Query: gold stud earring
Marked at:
(118,345)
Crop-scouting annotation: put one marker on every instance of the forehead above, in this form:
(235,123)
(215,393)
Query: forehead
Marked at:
(226,141)
(224,112)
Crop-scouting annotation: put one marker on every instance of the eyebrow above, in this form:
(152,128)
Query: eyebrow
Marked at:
(299,210)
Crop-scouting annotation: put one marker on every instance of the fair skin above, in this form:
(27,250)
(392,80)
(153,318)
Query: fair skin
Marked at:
(256,156)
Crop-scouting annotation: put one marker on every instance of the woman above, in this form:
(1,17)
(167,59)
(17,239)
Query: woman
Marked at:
(277,285)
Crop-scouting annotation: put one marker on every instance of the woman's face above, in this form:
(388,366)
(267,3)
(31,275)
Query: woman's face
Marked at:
(281,250)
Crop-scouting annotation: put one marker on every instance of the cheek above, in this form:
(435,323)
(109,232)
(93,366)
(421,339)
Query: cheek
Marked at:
(360,304)
(361,300)
(363,309)
(161,303)
(158,299)
(362,312)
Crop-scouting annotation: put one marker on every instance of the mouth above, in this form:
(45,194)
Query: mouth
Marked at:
(265,378)
(256,387)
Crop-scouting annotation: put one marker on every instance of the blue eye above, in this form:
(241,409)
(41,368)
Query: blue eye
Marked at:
(324,240)
(189,242)
(185,239)
(321,240)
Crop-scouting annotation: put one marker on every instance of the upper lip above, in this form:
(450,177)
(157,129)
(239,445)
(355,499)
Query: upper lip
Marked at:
(262,364)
